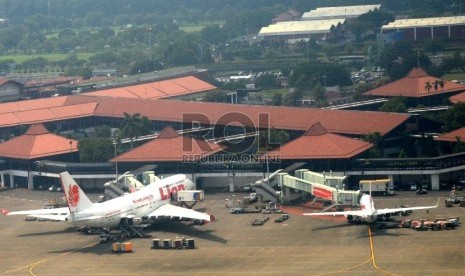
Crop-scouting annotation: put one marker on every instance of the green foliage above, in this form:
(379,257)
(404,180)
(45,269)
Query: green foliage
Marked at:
(95,150)
(145,66)
(134,126)
(434,46)
(376,139)
(102,132)
(293,98)
(396,104)
(213,34)
(306,74)
(318,93)
(272,138)
(459,146)
(216,97)
(400,58)
(266,81)
(454,63)
(277,99)
(455,117)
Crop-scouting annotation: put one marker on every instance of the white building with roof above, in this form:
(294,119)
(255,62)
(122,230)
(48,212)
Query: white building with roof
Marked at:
(451,27)
(344,12)
(300,29)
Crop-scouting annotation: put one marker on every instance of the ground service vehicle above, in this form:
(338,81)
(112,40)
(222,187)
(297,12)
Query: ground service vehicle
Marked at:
(377,187)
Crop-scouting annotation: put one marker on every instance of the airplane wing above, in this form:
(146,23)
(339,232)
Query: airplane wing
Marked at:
(64,211)
(358,213)
(398,210)
(51,217)
(171,211)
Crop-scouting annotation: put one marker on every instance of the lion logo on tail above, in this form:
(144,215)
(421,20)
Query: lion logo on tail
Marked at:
(73,195)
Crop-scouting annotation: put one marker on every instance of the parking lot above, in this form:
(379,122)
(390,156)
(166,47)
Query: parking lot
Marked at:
(299,245)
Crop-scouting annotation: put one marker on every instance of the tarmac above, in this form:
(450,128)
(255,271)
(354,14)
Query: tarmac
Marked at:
(301,245)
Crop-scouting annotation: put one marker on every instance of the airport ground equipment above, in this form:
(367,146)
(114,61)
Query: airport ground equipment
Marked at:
(454,198)
(266,188)
(260,221)
(377,187)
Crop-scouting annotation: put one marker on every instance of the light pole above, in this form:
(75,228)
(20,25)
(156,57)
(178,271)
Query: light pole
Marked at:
(71,150)
(116,162)
(149,29)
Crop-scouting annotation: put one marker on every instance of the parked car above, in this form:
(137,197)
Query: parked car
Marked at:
(55,188)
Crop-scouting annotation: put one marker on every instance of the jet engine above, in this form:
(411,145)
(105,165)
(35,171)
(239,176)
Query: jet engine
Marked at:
(200,222)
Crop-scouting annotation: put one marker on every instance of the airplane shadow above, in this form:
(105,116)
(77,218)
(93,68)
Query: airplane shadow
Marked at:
(376,230)
(96,248)
(335,226)
(67,230)
(187,230)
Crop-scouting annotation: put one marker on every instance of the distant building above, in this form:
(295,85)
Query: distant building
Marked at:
(9,90)
(104,73)
(452,27)
(303,30)
(343,12)
(3,23)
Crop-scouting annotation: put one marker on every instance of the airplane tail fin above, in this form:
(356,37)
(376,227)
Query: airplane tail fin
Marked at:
(75,196)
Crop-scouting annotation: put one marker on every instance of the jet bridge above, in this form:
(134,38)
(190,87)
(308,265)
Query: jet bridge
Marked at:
(127,183)
(322,186)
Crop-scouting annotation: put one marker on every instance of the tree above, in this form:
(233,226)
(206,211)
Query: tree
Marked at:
(376,139)
(266,81)
(95,150)
(459,145)
(134,126)
(293,98)
(145,66)
(396,104)
(318,94)
(272,138)
(454,117)
(277,99)
(213,34)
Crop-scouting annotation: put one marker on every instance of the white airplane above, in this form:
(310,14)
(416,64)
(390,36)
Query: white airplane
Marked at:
(368,211)
(150,202)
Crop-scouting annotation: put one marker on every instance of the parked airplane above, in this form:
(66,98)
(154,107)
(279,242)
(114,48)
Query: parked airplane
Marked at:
(150,202)
(368,211)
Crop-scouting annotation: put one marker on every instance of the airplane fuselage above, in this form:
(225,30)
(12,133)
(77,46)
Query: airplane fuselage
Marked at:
(108,214)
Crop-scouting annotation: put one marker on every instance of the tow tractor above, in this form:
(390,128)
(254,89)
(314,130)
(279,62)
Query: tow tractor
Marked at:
(454,198)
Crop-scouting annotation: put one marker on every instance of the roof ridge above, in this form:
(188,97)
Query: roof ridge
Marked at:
(37,129)
(316,129)
(168,133)
(417,72)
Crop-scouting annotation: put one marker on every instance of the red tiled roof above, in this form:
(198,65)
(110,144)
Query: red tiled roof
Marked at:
(3,81)
(32,115)
(459,98)
(316,143)
(413,86)
(169,147)
(452,136)
(339,121)
(291,118)
(158,89)
(37,142)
